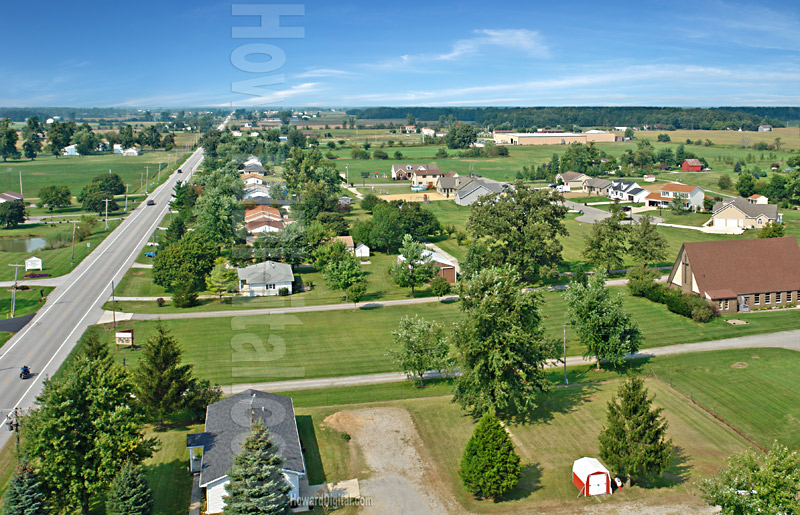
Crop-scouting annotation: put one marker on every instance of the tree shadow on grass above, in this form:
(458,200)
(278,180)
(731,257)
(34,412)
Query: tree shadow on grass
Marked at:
(676,474)
(530,481)
(559,400)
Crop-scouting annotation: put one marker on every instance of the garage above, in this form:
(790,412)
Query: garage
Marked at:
(591,477)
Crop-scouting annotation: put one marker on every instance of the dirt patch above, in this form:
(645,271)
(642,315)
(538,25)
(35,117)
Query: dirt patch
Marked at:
(755,356)
(414,197)
(402,479)
(740,364)
(736,321)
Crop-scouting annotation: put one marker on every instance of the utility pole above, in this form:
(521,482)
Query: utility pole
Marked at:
(141,181)
(159,174)
(20,184)
(106,201)
(14,291)
(347,174)
(113,306)
(147,179)
(74,226)
(566,381)
(126,197)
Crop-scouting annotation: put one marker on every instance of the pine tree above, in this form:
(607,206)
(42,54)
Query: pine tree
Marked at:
(489,465)
(129,493)
(634,442)
(25,495)
(94,348)
(257,484)
(160,378)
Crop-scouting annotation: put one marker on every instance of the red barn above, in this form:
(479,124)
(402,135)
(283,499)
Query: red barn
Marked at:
(591,477)
(691,165)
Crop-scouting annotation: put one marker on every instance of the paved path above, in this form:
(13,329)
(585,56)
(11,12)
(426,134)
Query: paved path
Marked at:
(42,281)
(593,215)
(285,310)
(784,340)
(77,301)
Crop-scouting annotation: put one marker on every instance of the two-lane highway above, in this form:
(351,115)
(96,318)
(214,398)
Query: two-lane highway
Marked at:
(47,340)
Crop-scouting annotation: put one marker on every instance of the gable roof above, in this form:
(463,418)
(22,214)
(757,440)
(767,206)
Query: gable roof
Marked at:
(411,167)
(571,176)
(267,272)
(347,240)
(745,266)
(435,257)
(749,209)
(10,195)
(228,422)
(693,162)
(261,211)
(263,222)
(598,183)
(681,188)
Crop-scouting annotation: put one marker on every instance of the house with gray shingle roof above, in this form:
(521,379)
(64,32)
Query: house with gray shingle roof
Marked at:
(474,189)
(265,278)
(740,212)
(227,424)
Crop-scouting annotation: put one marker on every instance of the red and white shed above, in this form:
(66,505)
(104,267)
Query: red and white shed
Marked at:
(591,477)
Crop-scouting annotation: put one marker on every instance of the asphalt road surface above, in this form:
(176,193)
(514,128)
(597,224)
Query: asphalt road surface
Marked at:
(48,339)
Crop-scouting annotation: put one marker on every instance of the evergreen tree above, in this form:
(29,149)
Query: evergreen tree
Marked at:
(175,230)
(25,494)
(633,442)
(161,380)
(257,484)
(93,346)
(489,466)
(129,493)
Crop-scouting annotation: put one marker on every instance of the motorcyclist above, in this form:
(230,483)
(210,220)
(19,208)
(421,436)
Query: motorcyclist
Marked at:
(25,372)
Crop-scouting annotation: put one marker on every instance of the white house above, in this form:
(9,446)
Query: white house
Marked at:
(691,196)
(255,191)
(117,148)
(71,150)
(627,191)
(758,199)
(227,424)
(10,196)
(427,131)
(263,279)
(133,151)
(361,251)
(236,134)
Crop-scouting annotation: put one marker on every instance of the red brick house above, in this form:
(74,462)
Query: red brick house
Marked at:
(691,165)
(740,275)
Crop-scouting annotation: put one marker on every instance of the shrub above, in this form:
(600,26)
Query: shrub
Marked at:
(461,237)
(489,466)
(58,240)
(283,292)
(160,302)
(684,304)
(183,296)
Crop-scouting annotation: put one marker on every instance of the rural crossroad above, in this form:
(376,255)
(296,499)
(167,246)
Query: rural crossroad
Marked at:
(77,303)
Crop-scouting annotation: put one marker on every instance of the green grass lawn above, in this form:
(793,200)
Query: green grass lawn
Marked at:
(168,469)
(76,171)
(682,218)
(55,262)
(27,301)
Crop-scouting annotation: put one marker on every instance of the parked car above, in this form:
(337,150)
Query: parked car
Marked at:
(150,254)
(151,202)
(180,171)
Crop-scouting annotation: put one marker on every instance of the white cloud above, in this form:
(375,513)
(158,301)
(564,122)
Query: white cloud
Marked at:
(280,96)
(322,72)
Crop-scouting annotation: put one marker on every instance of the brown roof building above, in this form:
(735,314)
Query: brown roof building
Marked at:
(740,275)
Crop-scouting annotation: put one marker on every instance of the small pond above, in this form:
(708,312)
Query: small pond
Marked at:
(21,244)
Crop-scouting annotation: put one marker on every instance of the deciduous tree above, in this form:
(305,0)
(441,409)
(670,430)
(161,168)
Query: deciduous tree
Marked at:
(603,327)
(342,272)
(419,346)
(501,343)
(771,230)
(605,245)
(461,135)
(645,244)
(12,213)
(55,196)
(415,267)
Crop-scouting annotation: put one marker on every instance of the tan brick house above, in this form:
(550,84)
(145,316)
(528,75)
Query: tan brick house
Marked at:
(740,275)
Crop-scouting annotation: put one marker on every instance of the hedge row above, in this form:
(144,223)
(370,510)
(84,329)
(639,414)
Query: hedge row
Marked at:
(685,304)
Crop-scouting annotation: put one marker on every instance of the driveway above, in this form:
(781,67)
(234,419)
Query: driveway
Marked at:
(593,215)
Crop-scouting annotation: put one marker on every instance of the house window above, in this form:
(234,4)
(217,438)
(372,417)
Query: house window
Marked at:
(727,305)
(778,298)
(788,296)
(760,221)
(757,299)
(720,305)
(767,298)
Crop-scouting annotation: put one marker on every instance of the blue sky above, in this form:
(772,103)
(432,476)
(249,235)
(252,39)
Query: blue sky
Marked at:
(353,53)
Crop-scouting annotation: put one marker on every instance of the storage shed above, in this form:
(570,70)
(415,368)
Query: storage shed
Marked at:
(591,477)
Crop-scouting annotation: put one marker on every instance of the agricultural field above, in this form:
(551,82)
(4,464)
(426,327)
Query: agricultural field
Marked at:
(76,171)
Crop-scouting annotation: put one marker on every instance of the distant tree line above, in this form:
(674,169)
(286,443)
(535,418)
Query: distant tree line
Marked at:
(530,117)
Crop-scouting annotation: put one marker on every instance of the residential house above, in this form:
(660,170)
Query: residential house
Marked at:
(427,177)
(133,151)
(344,201)
(348,243)
(572,180)
(10,196)
(71,150)
(402,172)
(758,199)
(765,128)
(475,188)
(256,190)
(427,131)
(444,267)
(741,213)
(359,250)
(251,179)
(740,275)
(252,167)
(117,148)
(627,191)
(449,183)
(691,196)
(263,279)
(691,165)
(263,225)
(649,178)
(236,134)
(227,424)
(596,186)
(411,129)
(262,212)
